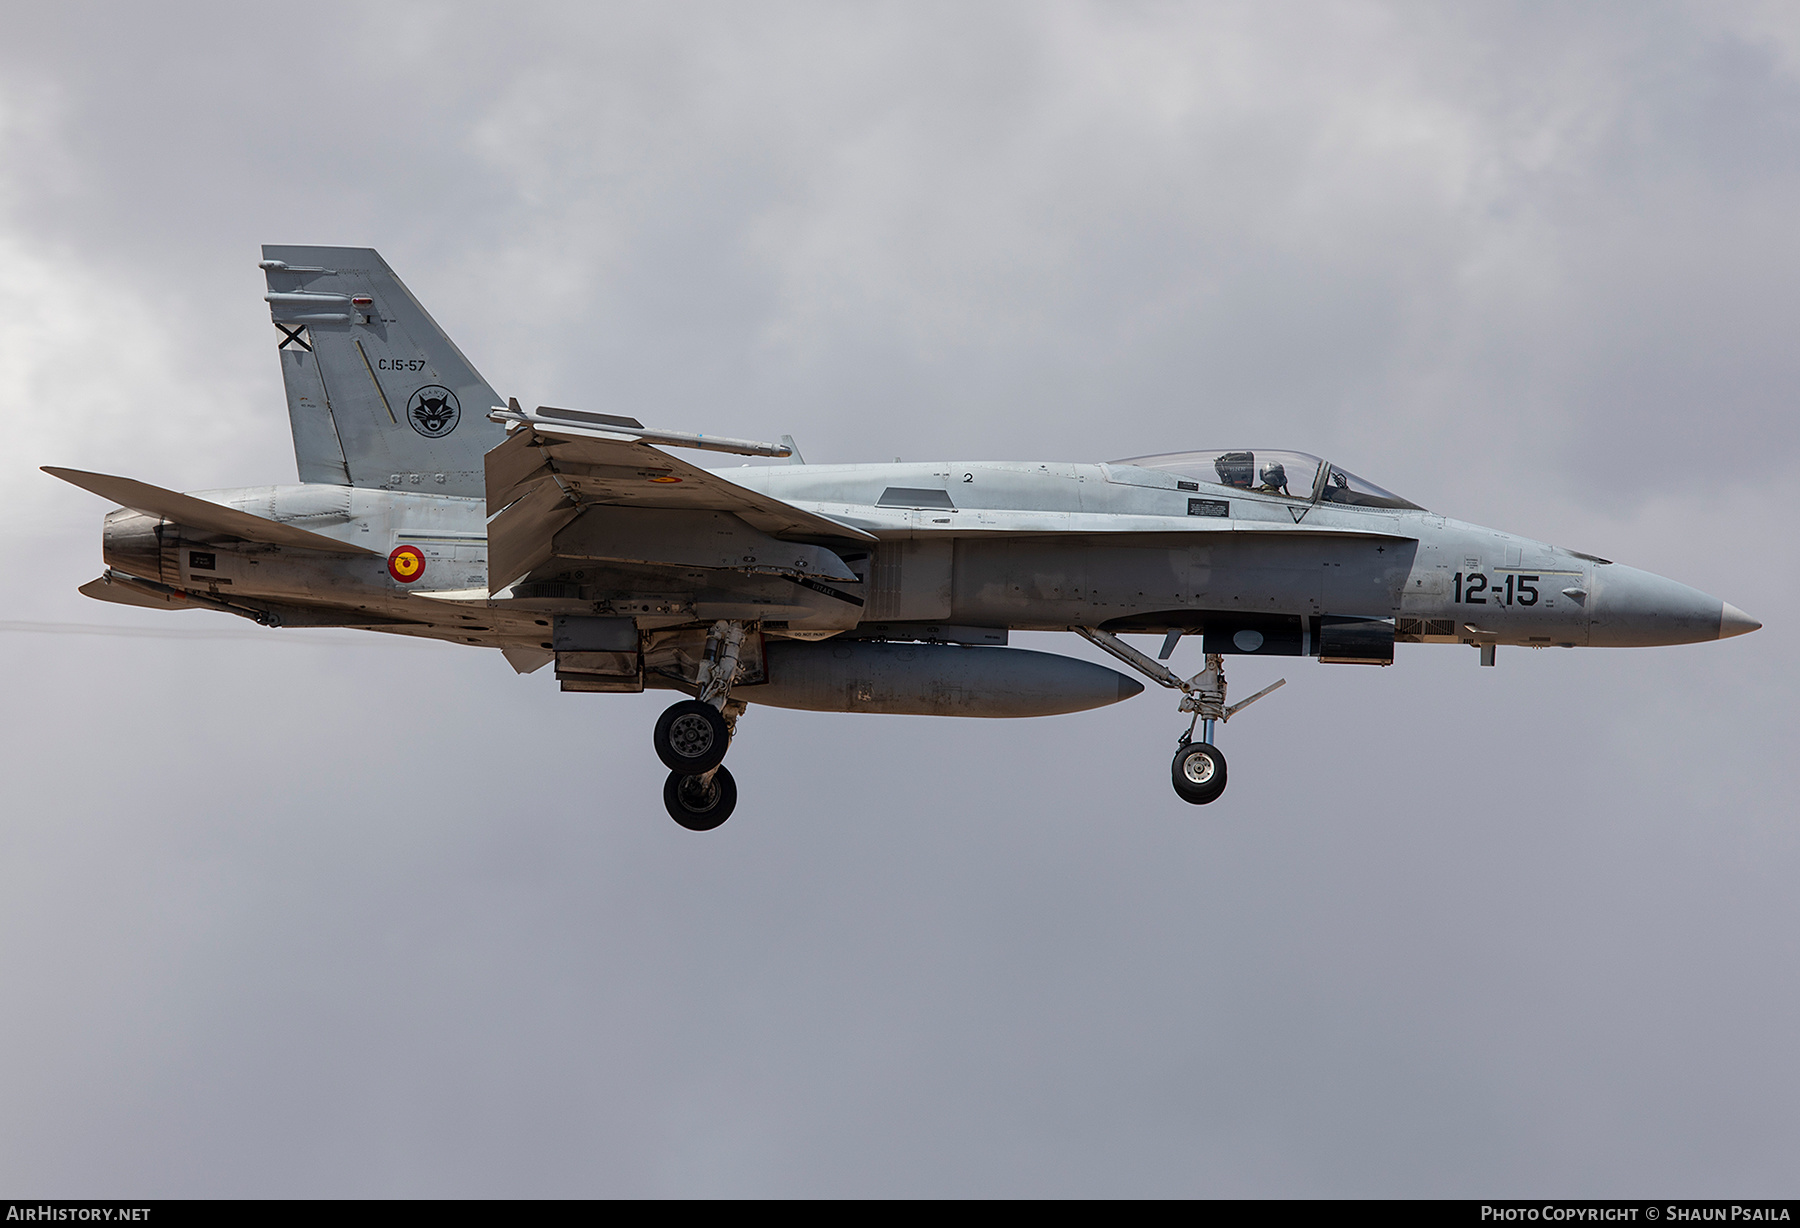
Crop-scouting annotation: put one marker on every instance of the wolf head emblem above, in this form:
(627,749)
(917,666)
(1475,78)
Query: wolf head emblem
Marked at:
(433,411)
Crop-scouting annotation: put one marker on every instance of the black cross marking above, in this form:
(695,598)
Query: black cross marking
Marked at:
(293,336)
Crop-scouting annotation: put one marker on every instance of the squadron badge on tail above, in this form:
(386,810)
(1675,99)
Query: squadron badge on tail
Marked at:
(433,411)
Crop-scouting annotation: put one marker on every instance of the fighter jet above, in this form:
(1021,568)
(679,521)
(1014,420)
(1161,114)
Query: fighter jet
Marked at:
(428,506)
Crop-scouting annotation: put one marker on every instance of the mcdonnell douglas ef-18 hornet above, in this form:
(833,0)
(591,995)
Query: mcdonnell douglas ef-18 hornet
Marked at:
(428,507)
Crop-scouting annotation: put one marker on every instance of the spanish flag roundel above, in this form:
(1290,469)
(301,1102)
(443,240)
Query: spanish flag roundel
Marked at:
(406,564)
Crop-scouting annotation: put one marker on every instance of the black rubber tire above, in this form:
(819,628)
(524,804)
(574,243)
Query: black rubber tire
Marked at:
(1198,773)
(700,806)
(692,738)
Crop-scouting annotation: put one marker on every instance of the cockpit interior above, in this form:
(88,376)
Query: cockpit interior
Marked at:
(1287,475)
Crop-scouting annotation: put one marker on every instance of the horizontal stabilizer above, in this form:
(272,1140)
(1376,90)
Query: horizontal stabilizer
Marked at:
(200,513)
(104,589)
(152,595)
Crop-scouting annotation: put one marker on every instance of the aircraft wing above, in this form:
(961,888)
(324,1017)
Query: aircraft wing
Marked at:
(199,513)
(541,478)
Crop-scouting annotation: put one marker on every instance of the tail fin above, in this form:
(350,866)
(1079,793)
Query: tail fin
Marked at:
(377,394)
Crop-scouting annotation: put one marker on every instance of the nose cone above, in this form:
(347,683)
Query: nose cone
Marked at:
(1735,622)
(1633,608)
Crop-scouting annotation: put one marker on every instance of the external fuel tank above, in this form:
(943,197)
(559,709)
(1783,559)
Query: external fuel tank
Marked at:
(932,680)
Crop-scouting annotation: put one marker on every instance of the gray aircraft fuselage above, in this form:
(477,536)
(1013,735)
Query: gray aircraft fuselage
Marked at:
(1006,545)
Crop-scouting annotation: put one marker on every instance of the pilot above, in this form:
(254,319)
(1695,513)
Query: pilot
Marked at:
(1274,479)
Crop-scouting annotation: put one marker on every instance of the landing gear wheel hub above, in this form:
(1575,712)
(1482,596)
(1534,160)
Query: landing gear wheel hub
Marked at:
(700,803)
(1199,769)
(691,738)
(1198,773)
(690,735)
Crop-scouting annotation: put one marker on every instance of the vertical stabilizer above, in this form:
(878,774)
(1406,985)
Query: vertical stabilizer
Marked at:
(377,394)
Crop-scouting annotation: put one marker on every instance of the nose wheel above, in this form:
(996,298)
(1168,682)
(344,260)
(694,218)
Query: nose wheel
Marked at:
(1198,772)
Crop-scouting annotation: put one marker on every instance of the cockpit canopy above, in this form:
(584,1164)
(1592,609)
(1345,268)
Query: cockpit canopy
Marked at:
(1290,475)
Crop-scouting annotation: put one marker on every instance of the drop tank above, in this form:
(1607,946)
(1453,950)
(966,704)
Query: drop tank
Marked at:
(932,680)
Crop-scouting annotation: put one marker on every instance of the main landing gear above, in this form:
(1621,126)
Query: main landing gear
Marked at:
(700,803)
(691,738)
(1198,772)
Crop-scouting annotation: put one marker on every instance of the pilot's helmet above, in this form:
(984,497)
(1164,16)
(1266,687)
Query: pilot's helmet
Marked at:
(1273,475)
(1235,468)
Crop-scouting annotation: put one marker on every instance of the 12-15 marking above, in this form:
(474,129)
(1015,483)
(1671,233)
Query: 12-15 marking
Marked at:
(1523,593)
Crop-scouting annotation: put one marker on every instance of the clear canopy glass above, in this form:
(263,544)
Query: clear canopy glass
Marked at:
(1342,486)
(1266,471)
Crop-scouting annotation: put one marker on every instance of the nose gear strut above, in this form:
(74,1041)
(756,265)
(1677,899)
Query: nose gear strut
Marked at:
(1199,767)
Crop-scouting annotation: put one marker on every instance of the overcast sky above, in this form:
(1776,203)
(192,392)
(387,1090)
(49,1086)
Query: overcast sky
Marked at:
(314,913)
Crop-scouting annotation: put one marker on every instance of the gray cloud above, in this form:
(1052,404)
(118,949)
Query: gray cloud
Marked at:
(276,918)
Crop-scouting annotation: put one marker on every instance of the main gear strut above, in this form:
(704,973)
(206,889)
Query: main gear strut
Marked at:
(692,736)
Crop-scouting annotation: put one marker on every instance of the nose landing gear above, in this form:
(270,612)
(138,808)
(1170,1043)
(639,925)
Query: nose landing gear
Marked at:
(1198,772)
(691,737)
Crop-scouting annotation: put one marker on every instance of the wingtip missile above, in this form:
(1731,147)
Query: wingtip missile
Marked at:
(1733,621)
(554,419)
